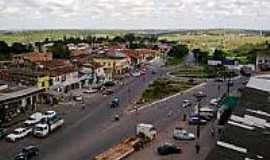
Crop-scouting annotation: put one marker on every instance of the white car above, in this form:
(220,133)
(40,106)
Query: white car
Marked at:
(49,114)
(90,91)
(186,103)
(18,134)
(214,101)
(181,134)
(33,119)
(136,74)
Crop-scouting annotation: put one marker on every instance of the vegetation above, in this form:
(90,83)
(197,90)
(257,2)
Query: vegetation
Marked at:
(162,88)
(59,51)
(203,72)
(176,54)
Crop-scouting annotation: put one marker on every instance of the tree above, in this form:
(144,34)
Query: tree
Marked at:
(200,56)
(219,55)
(4,50)
(18,48)
(179,51)
(118,39)
(60,51)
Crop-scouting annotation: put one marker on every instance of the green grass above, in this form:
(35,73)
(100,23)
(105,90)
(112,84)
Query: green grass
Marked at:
(162,88)
(210,42)
(172,61)
(34,36)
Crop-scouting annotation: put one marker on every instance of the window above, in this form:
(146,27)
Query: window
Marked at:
(43,84)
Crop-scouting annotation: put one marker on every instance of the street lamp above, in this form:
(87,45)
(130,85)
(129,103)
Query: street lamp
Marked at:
(199,96)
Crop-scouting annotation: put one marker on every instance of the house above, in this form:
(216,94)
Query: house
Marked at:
(263,61)
(15,100)
(26,74)
(92,73)
(32,57)
(114,64)
(63,75)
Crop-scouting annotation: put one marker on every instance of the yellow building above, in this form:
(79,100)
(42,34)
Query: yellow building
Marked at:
(113,65)
(43,82)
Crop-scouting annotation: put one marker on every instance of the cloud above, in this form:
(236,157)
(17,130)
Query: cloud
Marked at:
(132,13)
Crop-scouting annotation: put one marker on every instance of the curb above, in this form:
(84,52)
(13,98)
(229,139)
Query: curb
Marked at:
(137,108)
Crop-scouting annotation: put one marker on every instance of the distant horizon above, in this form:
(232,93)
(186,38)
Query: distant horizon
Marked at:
(134,29)
(134,14)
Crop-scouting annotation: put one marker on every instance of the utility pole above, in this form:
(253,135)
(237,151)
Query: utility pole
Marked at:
(199,96)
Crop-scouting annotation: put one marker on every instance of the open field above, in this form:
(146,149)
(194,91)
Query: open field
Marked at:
(210,42)
(34,36)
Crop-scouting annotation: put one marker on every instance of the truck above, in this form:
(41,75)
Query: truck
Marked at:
(145,133)
(45,128)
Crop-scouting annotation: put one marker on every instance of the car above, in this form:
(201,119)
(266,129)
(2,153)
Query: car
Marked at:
(49,114)
(153,72)
(136,74)
(214,101)
(27,153)
(90,91)
(107,92)
(33,119)
(219,80)
(78,98)
(3,133)
(230,82)
(167,149)
(245,82)
(181,134)
(18,133)
(195,120)
(186,103)
(109,84)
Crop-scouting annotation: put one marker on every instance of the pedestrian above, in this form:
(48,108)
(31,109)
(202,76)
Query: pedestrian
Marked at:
(184,117)
(197,147)
(83,106)
(212,131)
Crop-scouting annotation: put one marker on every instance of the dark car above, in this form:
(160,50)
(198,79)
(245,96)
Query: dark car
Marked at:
(194,120)
(107,92)
(3,133)
(153,72)
(219,80)
(109,83)
(245,82)
(168,148)
(27,153)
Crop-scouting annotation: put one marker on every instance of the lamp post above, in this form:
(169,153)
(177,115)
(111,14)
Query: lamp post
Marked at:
(199,96)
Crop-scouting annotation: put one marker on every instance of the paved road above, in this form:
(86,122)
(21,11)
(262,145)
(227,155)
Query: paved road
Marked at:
(82,133)
(94,131)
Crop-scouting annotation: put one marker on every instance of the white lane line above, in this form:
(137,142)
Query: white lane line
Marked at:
(167,98)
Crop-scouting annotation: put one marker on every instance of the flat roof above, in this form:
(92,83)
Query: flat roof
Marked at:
(19,93)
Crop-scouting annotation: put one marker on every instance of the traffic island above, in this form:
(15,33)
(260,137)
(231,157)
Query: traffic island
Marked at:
(161,90)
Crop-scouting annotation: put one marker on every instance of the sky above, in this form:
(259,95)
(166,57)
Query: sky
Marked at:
(134,14)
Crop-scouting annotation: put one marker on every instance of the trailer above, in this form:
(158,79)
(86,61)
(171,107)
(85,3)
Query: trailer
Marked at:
(144,134)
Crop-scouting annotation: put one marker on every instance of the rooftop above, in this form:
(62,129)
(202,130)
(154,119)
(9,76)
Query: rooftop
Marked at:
(246,135)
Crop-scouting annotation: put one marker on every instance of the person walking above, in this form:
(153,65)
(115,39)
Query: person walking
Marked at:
(197,147)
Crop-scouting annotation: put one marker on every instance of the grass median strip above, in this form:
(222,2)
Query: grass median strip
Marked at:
(162,88)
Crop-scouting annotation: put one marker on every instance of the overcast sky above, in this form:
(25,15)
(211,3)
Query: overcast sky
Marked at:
(134,14)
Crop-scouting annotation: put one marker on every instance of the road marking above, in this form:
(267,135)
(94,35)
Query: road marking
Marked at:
(166,99)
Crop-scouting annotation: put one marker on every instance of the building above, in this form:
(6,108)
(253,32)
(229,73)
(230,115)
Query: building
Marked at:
(263,61)
(27,74)
(246,134)
(63,75)
(15,100)
(114,64)
(32,57)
